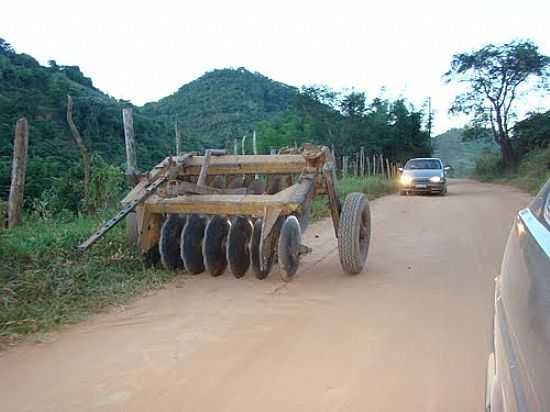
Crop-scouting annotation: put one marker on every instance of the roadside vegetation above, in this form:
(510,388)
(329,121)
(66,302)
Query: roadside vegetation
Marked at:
(530,175)
(45,282)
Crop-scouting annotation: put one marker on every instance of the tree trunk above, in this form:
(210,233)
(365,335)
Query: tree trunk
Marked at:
(19,168)
(86,162)
(508,156)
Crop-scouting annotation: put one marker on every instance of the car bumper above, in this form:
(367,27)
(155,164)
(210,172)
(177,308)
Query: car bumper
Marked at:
(425,187)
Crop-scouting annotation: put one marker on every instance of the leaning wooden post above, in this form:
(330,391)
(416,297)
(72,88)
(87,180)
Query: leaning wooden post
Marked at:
(178,138)
(129,138)
(18,172)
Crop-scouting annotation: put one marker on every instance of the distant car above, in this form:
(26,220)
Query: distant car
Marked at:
(423,175)
(518,372)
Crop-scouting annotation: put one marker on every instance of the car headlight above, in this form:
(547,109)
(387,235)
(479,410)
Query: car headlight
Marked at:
(405,180)
(435,179)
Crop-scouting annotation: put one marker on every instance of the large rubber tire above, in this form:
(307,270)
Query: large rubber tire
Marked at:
(288,249)
(169,243)
(354,233)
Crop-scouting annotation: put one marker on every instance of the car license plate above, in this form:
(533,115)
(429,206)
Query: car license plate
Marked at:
(421,186)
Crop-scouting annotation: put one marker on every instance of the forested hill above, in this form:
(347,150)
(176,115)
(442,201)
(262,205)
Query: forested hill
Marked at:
(223,104)
(212,110)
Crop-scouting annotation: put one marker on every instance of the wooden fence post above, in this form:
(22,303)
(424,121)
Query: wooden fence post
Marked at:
(381,164)
(254,147)
(129,138)
(243,141)
(374,164)
(388,168)
(18,172)
(362,161)
(368,165)
(344,166)
(235,146)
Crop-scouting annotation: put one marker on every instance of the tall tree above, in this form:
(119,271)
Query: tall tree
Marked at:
(495,76)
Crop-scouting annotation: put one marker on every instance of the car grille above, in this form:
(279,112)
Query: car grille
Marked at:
(421,180)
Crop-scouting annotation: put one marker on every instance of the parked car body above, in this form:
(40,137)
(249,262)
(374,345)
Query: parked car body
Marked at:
(518,372)
(423,175)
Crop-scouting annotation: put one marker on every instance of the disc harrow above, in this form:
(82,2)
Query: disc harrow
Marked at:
(244,213)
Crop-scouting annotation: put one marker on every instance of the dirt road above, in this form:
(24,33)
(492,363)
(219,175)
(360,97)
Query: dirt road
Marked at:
(408,334)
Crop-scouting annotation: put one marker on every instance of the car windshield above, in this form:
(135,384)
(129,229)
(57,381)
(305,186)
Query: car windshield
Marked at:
(423,164)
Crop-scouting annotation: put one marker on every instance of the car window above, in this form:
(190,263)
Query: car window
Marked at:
(423,164)
(540,206)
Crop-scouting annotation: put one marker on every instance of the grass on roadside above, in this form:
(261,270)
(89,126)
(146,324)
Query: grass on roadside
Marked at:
(45,282)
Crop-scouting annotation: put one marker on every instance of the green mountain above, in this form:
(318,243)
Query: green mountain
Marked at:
(212,111)
(461,154)
(223,105)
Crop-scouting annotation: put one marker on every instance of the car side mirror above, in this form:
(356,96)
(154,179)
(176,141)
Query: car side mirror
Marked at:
(447,168)
(400,170)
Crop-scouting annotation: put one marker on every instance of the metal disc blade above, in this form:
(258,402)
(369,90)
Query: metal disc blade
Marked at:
(256,254)
(238,241)
(169,243)
(191,244)
(214,245)
(288,249)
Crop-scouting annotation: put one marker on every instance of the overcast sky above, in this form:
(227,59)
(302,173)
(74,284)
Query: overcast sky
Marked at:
(142,51)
